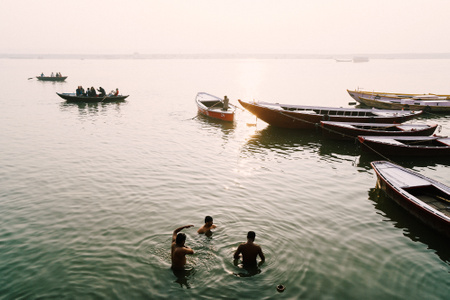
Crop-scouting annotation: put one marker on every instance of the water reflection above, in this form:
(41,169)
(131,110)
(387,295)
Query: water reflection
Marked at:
(249,271)
(408,162)
(91,108)
(278,139)
(227,128)
(183,277)
(274,138)
(411,226)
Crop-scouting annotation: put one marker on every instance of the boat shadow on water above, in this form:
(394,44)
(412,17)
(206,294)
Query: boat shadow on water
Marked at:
(295,140)
(410,226)
(91,107)
(407,162)
(208,123)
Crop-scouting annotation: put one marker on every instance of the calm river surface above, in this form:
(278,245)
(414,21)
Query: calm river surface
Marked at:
(90,194)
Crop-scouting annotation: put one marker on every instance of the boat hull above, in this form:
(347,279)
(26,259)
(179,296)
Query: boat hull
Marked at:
(349,131)
(426,102)
(70,97)
(48,78)
(213,107)
(406,146)
(390,96)
(288,116)
(434,218)
(436,107)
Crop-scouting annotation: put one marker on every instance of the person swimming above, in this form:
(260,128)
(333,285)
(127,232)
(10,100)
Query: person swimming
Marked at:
(206,228)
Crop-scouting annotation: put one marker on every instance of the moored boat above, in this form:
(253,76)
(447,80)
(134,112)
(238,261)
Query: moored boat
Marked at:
(51,78)
(308,117)
(407,145)
(215,107)
(423,197)
(72,97)
(438,103)
(435,105)
(350,130)
(356,94)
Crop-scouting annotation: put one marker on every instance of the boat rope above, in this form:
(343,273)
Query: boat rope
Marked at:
(380,154)
(336,132)
(436,116)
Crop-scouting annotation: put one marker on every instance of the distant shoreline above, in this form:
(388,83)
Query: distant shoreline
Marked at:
(226,56)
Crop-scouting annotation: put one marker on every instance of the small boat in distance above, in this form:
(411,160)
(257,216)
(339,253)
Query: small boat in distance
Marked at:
(215,107)
(351,130)
(425,198)
(309,117)
(51,78)
(72,97)
(407,145)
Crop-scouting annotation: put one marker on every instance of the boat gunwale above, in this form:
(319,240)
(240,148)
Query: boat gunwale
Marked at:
(407,195)
(301,109)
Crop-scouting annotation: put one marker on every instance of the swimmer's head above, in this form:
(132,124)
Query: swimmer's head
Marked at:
(251,235)
(181,238)
(208,219)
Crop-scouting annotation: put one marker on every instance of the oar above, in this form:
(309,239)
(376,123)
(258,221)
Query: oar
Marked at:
(443,199)
(235,106)
(30,78)
(214,104)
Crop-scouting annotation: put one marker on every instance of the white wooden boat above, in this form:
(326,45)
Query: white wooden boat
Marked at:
(425,198)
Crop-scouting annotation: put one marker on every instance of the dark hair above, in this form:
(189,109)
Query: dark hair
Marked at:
(181,237)
(208,219)
(251,235)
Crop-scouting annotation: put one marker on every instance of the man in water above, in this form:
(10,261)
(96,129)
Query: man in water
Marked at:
(206,228)
(178,249)
(249,251)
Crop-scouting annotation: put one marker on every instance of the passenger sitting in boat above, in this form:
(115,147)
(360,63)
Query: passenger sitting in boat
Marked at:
(42,74)
(52,75)
(83,93)
(102,92)
(117,92)
(92,92)
(78,91)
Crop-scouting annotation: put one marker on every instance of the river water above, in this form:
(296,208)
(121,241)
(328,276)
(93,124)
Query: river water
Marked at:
(90,194)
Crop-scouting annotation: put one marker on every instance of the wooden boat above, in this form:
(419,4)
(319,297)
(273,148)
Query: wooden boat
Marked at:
(356,94)
(350,130)
(72,97)
(214,107)
(426,102)
(425,198)
(407,145)
(51,78)
(435,106)
(307,117)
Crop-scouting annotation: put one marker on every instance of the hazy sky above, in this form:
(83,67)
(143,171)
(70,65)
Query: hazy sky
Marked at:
(224,26)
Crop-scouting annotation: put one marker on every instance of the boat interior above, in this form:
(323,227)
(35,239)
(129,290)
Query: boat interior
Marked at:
(374,127)
(330,112)
(427,142)
(432,196)
(213,104)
